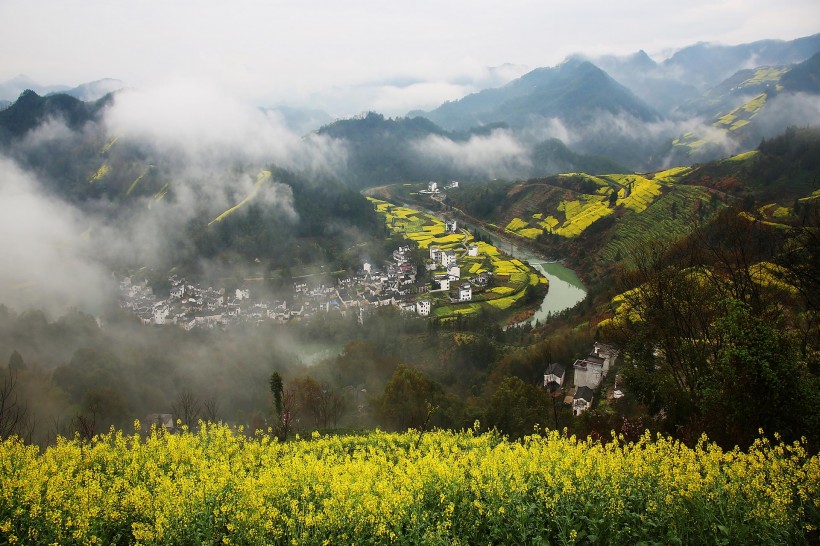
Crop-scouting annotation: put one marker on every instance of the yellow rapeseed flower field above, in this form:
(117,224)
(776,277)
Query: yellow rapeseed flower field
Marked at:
(221,486)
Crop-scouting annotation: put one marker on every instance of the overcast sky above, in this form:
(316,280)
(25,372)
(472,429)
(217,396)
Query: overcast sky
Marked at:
(348,56)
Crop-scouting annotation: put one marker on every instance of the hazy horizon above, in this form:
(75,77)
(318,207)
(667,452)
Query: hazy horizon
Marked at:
(345,59)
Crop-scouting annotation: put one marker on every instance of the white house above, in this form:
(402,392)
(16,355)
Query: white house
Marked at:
(454,272)
(472,251)
(423,307)
(607,352)
(177,291)
(465,292)
(582,400)
(443,282)
(554,376)
(366,267)
(448,258)
(450,226)
(432,187)
(589,371)
(160,313)
(435,254)
(407,307)
(242,294)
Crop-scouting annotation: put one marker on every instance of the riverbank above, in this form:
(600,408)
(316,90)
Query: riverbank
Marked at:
(566,289)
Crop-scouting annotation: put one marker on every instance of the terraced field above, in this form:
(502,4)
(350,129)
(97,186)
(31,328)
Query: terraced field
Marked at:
(510,277)
(667,218)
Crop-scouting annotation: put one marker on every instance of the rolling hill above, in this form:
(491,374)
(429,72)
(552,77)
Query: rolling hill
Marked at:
(749,106)
(598,220)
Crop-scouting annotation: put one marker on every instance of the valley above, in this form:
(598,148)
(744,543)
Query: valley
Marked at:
(573,303)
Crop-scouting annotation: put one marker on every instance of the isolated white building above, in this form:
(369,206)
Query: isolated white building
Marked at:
(450,226)
(472,251)
(465,292)
(432,187)
(554,376)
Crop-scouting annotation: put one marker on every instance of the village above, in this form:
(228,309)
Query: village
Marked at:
(457,277)
(397,283)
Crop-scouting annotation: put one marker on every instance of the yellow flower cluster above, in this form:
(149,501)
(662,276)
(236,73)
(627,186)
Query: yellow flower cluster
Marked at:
(221,486)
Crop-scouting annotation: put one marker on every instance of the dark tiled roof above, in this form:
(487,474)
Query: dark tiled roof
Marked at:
(583,393)
(555,369)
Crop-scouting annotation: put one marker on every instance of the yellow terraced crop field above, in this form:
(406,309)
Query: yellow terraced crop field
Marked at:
(581,215)
(516,224)
(673,174)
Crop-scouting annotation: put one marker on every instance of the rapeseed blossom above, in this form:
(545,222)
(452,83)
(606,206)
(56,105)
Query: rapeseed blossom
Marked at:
(221,486)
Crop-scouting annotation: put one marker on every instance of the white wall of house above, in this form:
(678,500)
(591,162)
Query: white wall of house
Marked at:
(589,375)
(423,307)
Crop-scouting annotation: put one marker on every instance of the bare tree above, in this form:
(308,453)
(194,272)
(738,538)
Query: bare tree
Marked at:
(187,408)
(210,409)
(13,412)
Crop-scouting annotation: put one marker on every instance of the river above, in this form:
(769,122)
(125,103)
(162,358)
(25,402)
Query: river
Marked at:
(565,288)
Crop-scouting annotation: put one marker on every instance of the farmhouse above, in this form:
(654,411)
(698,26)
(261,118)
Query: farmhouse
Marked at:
(423,307)
(443,282)
(454,272)
(465,292)
(554,376)
(450,226)
(448,258)
(472,251)
(589,371)
(582,400)
(608,352)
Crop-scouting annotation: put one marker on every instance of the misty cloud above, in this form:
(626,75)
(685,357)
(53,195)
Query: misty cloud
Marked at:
(47,253)
(210,148)
(209,126)
(792,109)
(498,155)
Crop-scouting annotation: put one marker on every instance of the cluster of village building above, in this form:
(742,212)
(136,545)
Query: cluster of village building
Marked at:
(432,187)
(588,373)
(397,283)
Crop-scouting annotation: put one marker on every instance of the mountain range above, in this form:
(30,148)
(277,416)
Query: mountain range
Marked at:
(604,114)
(11,89)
